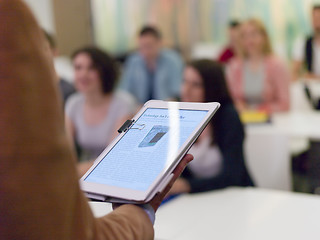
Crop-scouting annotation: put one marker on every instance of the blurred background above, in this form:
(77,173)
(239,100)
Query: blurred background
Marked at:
(282,148)
(113,25)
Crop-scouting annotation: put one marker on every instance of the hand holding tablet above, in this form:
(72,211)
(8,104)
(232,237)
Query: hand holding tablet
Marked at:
(157,200)
(141,162)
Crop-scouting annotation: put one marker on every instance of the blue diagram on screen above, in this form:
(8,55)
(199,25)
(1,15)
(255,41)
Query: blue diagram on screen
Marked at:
(154,136)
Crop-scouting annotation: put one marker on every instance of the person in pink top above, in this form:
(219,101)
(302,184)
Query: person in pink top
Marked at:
(257,79)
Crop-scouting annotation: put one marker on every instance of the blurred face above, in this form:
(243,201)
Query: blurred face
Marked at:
(149,47)
(192,88)
(252,39)
(87,78)
(316,21)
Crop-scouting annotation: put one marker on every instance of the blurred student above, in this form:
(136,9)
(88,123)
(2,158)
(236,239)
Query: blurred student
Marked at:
(306,53)
(306,57)
(230,50)
(66,88)
(153,72)
(94,114)
(218,153)
(257,79)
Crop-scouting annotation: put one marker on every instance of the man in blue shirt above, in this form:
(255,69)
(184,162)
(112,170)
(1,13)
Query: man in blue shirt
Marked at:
(153,72)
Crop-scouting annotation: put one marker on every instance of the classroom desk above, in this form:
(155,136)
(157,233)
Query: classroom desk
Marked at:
(236,213)
(299,127)
(301,124)
(269,146)
(294,124)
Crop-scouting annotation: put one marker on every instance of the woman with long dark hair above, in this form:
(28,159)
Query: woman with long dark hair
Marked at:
(218,153)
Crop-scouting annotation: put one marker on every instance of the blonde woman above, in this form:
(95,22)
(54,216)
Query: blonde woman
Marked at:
(257,79)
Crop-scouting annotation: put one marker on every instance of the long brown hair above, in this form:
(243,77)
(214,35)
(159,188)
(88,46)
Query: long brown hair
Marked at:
(214,84)
(213,79)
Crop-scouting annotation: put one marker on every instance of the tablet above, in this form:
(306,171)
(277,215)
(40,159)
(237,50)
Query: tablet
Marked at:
(139,162)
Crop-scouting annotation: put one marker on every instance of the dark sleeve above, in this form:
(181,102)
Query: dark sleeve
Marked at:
(229,138)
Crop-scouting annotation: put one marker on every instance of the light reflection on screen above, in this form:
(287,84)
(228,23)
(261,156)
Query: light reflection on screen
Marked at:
(147,148)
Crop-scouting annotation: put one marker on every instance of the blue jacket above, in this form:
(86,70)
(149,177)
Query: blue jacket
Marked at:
(167,77)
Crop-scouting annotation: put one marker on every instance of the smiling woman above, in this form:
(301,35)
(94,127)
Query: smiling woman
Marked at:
(95,113)
(258,79)
(218,153)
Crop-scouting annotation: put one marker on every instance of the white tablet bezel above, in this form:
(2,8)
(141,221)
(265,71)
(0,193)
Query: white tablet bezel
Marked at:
(105,192)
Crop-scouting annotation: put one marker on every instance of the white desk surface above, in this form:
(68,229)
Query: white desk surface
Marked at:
(294,124)
(299,127)
(236,213)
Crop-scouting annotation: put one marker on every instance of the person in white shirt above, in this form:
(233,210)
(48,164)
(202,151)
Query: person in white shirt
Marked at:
(306,52)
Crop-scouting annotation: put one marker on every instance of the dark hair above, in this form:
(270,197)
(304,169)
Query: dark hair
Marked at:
(104,64)
(214,81)
(50,38)
(214,84)
(234,24)
(316,7)
(150,30)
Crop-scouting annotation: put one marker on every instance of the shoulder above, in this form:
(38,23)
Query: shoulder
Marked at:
(276,64)
(134,58)
(73,104)
(118,101)
(126,100)
(121,105)
(228,112)
(228,126)
(275,61)
(170,55)
(228,119)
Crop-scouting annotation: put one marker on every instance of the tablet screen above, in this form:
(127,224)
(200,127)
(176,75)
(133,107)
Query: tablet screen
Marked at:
(147,149)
